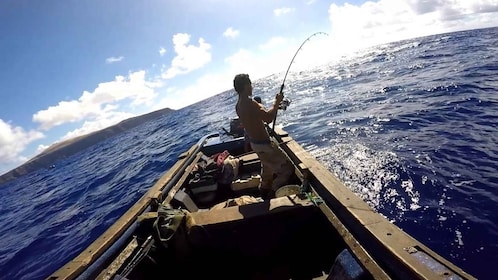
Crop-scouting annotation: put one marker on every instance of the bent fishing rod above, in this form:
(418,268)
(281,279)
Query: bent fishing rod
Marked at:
(288,68)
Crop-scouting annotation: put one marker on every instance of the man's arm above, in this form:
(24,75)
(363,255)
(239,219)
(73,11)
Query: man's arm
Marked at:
(269,115)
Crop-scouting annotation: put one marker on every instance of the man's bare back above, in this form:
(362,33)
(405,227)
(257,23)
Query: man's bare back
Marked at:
(253,116)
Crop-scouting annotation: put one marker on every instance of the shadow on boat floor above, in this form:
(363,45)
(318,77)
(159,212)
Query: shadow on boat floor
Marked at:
(295,242)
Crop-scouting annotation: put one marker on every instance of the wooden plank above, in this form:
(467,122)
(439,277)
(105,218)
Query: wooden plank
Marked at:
(111,270)
(358,250)
(182,180)
(249,157)
(247,211)
(399,244)
(280,132)
(76,266)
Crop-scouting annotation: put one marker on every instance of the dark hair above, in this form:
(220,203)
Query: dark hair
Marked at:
(257,99)
(240,81)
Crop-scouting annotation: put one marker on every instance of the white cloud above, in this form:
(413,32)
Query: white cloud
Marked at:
(113,59)
(100,102)
(274,42)
(282,11)
(274,56)
(41,148)
(231,33)
(162,51)
(390,20)
(246,61)
(13,141)
(457,7)
(208,85)
(270,57)
(188,57)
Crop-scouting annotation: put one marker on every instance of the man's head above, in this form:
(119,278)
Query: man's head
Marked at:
(242,84)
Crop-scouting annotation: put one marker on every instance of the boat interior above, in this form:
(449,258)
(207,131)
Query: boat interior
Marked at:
(198,222)
(230,232)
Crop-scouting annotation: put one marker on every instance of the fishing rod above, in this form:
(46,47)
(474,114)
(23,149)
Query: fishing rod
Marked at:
(287,72)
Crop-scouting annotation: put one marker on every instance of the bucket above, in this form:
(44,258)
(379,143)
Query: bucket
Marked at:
(288,190)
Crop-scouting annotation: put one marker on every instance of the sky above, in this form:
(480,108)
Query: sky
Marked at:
(70,67)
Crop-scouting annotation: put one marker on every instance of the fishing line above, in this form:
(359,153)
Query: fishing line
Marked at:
(288,68)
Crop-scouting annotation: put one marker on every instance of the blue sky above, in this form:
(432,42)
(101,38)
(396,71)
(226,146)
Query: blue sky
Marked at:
(71,67)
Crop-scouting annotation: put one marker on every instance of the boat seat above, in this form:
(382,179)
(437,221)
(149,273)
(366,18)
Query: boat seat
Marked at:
(240,212)
(247,182)
(249,161)
(249,157)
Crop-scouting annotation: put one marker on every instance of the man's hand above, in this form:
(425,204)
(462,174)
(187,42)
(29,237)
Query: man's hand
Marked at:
(278,98)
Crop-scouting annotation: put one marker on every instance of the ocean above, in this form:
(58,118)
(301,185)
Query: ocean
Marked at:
(411,127)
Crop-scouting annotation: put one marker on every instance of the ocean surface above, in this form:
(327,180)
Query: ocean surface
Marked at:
(411,127)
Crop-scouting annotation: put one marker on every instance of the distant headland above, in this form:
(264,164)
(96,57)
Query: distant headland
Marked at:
(58,151)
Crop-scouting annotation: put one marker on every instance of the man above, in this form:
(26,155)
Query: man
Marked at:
(247,143)
(276,169)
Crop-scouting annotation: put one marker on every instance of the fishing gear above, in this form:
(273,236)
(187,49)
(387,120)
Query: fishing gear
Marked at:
(285,103)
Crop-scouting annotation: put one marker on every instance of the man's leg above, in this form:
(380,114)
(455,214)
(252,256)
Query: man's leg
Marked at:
(282,167)
(265,186)
(266,177)
(274,162)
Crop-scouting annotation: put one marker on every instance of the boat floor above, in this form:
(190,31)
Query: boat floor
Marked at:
(282,238)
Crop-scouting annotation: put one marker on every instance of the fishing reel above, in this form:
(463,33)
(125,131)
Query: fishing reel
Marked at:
(284,104)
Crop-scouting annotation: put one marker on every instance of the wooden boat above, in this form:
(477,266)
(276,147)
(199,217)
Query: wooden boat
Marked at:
(190,227)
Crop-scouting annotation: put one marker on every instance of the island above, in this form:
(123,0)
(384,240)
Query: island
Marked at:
(60,150)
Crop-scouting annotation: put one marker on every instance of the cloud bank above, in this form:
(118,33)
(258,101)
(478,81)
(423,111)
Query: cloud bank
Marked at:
(13,141)
(231,33)
(282,11)
(101,102)
(188,57)
(113,59)
(391,20)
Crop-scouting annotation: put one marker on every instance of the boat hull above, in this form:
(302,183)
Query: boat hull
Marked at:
(322,231)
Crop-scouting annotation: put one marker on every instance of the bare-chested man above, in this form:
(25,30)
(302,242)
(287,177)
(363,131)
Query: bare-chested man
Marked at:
(276,169)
